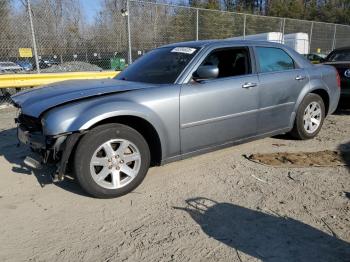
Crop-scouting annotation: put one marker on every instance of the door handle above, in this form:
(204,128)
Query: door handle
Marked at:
(249,85)
(300,78)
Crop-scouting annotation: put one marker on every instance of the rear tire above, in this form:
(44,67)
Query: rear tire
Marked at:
(309,118)
(111,160)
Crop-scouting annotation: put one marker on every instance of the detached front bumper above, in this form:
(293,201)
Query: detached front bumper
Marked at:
(51,151)
(36,140)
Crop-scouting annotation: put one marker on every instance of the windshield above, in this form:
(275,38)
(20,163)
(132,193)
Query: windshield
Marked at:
(159,66)
(343,55)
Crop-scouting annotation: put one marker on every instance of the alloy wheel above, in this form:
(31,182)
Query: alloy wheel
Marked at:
(115,163)
(312,117)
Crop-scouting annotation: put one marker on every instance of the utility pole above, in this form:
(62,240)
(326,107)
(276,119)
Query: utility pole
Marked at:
(335,32)
(311,29)
(129,34)
(244,25)
(197,24)
(33,37)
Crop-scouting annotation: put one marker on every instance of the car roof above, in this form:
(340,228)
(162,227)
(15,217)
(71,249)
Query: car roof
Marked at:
(345,48)
(8,64)
(303,62)
(204,43)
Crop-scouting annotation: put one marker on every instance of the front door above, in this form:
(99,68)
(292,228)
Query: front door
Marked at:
(216,111)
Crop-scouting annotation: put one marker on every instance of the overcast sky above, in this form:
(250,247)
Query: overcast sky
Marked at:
(90,8)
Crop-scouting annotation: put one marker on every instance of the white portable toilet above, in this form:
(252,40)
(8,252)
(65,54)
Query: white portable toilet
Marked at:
(298,41)
(276,37)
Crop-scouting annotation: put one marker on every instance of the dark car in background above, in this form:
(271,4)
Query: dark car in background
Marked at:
(315,58)
(45,63)
(340,59)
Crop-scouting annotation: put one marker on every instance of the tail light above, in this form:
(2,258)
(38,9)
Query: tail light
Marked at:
(338,79)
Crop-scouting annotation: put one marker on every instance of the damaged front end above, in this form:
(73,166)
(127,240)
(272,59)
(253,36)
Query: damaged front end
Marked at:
(49,131)
(50,150)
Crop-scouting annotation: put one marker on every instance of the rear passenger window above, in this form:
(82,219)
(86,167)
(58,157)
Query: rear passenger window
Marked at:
(274,59)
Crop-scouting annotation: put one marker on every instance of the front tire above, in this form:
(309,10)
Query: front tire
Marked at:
(309,118)
(111,160)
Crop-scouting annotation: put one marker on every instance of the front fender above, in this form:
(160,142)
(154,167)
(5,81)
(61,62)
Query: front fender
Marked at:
(80,116)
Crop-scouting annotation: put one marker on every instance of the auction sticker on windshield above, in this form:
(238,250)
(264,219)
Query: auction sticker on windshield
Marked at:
(184,50)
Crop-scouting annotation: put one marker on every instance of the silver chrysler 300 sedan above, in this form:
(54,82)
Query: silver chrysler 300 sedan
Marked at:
(174,102)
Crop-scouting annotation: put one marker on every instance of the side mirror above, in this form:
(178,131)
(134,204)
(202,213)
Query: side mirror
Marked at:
(205,72)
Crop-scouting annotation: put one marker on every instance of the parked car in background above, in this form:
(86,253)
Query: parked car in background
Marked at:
(10,67)
(25,64)
(174,102)
(45,63)
(315,58)
(340,59)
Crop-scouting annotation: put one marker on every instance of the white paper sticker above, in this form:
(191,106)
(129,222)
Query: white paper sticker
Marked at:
(184,50)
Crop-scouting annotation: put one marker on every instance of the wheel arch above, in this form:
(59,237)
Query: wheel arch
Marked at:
(313,88)
(144,127)
(325,97)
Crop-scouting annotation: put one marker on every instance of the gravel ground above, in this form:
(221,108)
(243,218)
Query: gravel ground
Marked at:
(73,66)
(214,207)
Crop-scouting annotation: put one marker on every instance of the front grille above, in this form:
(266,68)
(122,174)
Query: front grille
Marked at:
(30,123)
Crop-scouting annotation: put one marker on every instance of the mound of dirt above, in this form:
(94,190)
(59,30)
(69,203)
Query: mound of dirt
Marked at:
(73,66)
(303,159)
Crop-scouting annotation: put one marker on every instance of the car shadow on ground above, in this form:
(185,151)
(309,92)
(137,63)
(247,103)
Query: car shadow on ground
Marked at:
(15,155)
(347,194)
(345,153)
(344,105)
(264,236)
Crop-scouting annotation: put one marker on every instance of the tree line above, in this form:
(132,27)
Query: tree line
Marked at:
(331,11)
(62,27)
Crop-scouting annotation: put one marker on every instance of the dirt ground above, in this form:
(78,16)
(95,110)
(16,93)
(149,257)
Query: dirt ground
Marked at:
(325,158)
(215,207)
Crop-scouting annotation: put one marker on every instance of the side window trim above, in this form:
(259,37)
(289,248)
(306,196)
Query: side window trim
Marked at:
(228,78)
(258,68)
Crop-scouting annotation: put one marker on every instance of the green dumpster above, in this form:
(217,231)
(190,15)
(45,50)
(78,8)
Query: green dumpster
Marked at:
(118,63)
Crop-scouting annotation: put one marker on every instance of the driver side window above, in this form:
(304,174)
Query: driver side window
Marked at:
(229,61)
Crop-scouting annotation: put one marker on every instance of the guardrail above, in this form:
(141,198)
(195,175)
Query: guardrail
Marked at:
(32,80)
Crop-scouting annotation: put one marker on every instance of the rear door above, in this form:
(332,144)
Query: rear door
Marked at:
(281,81)
(223,109)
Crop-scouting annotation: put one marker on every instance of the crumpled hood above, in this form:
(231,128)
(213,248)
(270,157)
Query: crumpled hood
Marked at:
(35,101)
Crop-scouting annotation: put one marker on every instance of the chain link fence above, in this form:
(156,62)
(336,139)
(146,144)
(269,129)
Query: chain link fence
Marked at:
(66,35)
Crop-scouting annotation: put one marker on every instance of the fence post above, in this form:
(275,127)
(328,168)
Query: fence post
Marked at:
(282,31)
(312,27)
(33,37)
(155,28)
(197,23)
(335,31)
(244,25)
(129,34)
